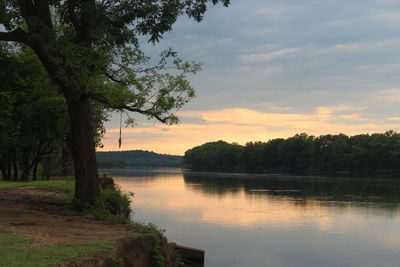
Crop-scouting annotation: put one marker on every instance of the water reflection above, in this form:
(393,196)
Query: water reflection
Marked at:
(264,200)
(241,220)
(300,188)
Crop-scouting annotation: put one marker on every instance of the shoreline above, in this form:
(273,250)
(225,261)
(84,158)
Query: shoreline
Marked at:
(340,173)
(48,225)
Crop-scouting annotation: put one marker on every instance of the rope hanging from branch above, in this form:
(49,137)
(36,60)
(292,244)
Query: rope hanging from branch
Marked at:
(120,131)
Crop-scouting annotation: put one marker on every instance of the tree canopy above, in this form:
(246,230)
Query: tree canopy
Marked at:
(33,116)
(365,153)
(136,158)
(90,49)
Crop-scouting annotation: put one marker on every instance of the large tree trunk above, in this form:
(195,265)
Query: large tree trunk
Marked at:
(66,161)
(81,137)
(81,142)
(64,66)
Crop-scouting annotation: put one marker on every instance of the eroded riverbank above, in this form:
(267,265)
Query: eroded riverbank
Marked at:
(38,229)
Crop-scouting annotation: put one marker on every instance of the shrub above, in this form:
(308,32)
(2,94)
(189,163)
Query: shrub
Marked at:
(117,202)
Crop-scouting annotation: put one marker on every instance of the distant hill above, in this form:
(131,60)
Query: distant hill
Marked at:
(136,158)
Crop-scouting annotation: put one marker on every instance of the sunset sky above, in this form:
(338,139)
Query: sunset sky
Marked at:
(276,68)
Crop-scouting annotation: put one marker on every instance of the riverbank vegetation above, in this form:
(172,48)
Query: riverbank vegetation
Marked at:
(39,228)
(114,207)
(136,158)
(363,153)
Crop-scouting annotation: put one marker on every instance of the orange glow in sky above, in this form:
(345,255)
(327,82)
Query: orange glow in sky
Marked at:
(243,125)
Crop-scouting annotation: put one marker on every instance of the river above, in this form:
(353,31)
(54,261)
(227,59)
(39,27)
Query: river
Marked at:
(271,220)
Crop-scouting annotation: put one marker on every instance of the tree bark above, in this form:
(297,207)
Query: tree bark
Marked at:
(66,161)
(81,143)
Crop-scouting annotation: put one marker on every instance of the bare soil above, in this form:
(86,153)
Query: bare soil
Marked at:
(35,212)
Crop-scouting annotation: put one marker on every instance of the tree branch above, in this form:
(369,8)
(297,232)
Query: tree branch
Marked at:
(112,78)
(43,11)
(17,35)
(102,99)
(145,112)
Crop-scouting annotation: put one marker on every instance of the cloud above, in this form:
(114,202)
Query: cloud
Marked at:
(273,69)
(389,95)
(271,11)
(254,58)
(224,209)
(337,108)
(243,125)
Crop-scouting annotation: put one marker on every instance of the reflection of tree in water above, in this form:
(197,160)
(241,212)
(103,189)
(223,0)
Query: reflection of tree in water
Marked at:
(143,175)
(213,185)
(363,191)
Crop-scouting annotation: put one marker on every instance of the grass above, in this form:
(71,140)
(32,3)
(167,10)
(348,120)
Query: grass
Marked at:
(63,185)
(18,251)
(116,204)
(67,186)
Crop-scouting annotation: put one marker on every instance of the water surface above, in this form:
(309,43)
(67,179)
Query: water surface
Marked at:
(271,220)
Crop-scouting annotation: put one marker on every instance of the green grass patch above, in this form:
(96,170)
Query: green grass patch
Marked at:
(63,185)
(67,186)
(16,251)
(103,214)
(115,206)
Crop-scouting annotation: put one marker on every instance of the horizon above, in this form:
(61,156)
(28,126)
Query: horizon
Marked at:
(242,144)
(274,69)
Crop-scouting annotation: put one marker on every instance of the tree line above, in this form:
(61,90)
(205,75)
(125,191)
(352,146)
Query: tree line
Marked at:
(32,117)
(136,158)
(366,153)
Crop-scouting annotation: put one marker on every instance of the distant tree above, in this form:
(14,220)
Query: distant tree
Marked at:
(214,156)
(136,158)
(341,152)
(361,156)
(254,157)
(90,49)
(296,152)
(325,153)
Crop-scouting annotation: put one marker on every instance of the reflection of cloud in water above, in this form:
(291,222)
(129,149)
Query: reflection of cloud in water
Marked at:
(243,210)
(232,209)
(254,203)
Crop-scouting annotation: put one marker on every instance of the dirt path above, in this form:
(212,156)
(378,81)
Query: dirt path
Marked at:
(34,212)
